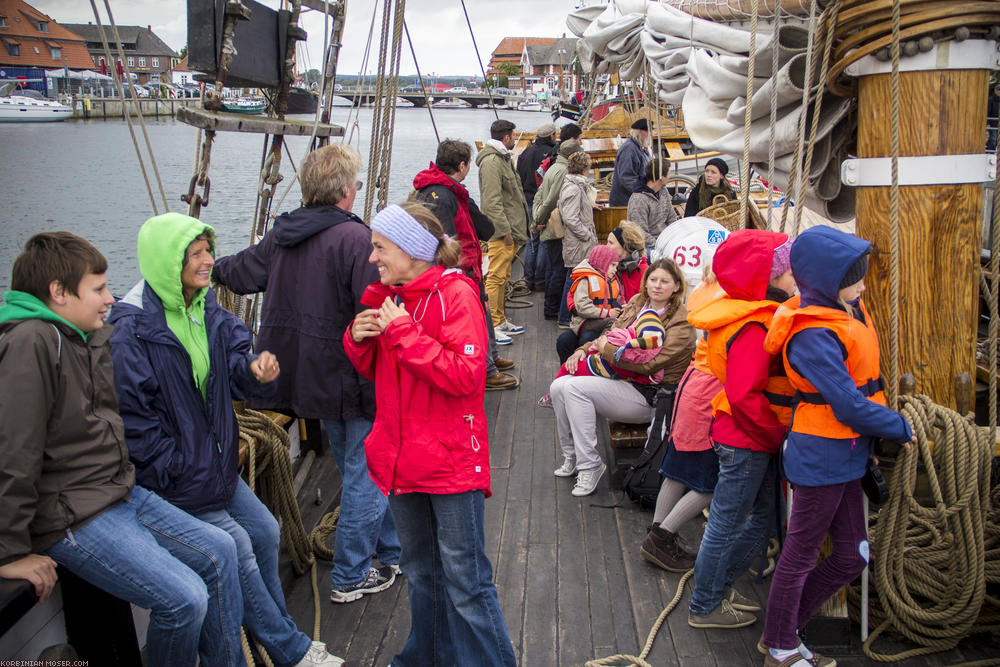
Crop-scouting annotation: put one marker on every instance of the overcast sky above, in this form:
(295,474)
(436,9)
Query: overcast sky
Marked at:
(440,35)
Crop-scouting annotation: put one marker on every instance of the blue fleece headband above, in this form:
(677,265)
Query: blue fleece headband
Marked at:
(394,223)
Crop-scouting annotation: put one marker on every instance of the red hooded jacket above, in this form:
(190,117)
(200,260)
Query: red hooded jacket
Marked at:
(742,265)
(472,252)
(429,370)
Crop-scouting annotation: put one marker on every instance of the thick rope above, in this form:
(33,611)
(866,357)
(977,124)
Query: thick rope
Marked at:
(928,559)
(640,660)
(773,116)
(797,153)
(994,304)
(747,118)
(130,104)
(893,384)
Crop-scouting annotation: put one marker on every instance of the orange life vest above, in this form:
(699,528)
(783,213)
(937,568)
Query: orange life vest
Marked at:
(606,294)
(724,319)
(813,414)
(702,295)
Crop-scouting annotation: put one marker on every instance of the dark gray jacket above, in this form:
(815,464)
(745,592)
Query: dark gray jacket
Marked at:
(63,458)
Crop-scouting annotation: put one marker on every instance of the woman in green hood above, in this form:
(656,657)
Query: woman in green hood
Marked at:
(180,361)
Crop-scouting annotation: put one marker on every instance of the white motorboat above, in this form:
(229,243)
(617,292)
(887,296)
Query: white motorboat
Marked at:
(28,106)
(530,105)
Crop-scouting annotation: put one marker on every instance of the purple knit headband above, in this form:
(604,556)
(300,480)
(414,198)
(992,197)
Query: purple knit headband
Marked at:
(394,223)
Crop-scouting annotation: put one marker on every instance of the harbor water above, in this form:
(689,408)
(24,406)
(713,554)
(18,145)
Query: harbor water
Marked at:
(84,177)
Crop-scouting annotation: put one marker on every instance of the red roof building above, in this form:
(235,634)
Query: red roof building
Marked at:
(29,38)
(510,51)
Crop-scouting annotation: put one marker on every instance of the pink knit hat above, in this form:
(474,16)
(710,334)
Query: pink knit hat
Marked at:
(780,260)
(601,258)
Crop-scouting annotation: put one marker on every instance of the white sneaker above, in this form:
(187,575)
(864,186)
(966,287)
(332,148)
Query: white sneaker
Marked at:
(318,656)
(510,328)
(501,337)
(567,469)
(586,480)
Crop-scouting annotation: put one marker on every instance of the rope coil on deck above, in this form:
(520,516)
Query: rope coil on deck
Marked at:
(928,561)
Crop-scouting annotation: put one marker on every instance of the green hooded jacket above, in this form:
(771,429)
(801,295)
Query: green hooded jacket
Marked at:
(24,306)
(163,242)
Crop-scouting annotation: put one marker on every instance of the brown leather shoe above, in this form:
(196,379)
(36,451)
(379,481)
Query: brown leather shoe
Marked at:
(500,381)
(661,549)
(504,364)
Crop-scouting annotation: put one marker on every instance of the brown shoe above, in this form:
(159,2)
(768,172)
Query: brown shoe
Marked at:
(499,381)
(661,549)
(724,616)
(740,601)
(504,364)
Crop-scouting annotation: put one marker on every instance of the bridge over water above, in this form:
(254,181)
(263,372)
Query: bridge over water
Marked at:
(359,96)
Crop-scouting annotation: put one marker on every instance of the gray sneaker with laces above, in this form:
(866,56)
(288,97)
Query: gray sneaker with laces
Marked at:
(567,469)
(586,480)
(724,616)
(377,579)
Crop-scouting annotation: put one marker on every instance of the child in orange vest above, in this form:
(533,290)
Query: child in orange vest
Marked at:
(749,420)
(830,351)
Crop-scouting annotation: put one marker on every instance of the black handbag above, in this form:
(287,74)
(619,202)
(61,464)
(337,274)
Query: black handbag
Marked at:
(874,484)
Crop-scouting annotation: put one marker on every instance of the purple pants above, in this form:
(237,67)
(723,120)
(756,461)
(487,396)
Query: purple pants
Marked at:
(800,586)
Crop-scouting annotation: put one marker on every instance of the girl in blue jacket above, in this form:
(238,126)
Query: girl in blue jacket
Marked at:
(830,351)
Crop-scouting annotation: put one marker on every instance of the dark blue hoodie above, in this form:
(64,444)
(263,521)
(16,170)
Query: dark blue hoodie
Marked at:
(820,258)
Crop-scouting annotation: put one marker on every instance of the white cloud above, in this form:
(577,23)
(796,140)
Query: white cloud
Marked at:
(438,28)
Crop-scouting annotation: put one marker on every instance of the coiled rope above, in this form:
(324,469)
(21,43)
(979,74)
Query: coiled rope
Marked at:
(928,561)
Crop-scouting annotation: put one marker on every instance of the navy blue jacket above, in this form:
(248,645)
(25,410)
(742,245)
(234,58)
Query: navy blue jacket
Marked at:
(313,267)
(820,258)
(184,448)
(630,172)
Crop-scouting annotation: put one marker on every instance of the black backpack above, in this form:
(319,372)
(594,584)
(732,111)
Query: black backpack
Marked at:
(642,480)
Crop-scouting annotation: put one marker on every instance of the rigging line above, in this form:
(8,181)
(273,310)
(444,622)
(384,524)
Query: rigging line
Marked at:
(126,107)
(390,102)
(994,305)
(747,116)
(797,153)
(893,388)
(773,116)
(420,79)
(316,118)
(375,140)
(142,122)
(489,90)
(359,83)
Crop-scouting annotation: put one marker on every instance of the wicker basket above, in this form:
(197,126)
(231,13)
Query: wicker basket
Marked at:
(727,214)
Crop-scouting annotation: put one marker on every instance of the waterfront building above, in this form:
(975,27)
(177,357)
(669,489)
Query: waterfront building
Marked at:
(147,55)
(32,42)
(551,65)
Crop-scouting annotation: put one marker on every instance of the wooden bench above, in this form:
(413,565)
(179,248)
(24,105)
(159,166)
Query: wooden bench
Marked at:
(623,443)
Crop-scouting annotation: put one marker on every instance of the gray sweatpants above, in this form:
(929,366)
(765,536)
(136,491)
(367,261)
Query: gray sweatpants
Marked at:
(578,400)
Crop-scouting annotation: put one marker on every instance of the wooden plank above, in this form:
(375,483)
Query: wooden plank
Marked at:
(223,121)
(511,568)
(575,643)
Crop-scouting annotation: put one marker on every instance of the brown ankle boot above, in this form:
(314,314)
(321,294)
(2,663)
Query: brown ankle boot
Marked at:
(661,549)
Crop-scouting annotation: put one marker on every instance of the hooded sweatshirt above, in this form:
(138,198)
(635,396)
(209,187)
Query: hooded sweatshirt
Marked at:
(820,258)
(742,266)
(63,458)
(163,242)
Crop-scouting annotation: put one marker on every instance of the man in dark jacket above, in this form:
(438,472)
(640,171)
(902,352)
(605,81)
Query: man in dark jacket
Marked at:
(629,164)
(440,187)
(67,488)
(527,166)
(313,265)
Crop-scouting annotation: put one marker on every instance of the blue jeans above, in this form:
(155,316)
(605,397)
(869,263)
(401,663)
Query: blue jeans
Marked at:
(534,258)
(256,533)
(146,551)
(568,342)
(365,526)
(455,616)
(564,314)
(555,276)
(732,539)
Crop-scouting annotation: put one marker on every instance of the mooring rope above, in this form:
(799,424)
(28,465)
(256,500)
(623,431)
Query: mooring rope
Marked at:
(640,660)
(928,560)
(893,385)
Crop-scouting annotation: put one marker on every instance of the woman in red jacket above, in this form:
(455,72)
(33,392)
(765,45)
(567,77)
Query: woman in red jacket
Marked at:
(422,340)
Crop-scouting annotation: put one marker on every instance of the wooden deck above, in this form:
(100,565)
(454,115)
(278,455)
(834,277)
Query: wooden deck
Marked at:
(572,584)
